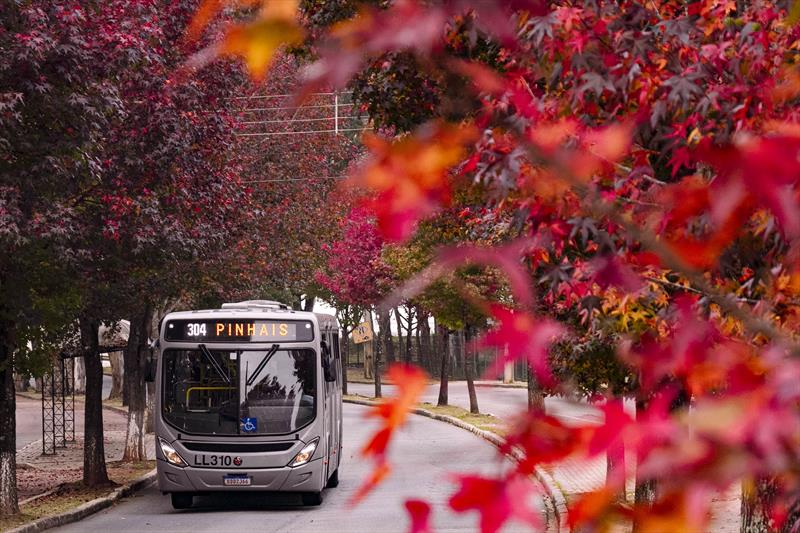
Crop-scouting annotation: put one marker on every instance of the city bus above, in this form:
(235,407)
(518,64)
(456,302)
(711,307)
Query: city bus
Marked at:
(248,398)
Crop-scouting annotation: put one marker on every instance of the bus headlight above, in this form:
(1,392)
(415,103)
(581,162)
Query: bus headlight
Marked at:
(305,455)
(170,454)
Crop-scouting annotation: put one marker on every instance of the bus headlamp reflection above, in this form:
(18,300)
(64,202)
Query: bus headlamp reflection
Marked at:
(305,455)
(170,454)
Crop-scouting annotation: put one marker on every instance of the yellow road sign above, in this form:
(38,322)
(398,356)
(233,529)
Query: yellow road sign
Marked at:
(362,333)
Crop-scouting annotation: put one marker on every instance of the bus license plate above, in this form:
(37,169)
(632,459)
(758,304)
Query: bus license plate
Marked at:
(236,481)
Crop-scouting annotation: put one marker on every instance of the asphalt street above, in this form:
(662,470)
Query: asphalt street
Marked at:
(29,421)
(424,456)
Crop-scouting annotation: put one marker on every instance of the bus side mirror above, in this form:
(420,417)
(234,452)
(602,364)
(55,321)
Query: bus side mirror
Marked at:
(150,364)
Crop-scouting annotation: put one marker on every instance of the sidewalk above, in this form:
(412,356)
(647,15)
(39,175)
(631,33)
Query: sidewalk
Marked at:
(37,473)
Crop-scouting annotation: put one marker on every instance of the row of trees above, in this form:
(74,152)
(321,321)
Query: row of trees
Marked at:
(632,170)
(125,192)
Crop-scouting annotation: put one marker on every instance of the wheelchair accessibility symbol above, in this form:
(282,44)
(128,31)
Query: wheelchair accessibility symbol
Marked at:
(249,424)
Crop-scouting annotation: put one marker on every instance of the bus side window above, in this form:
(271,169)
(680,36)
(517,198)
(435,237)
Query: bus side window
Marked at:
(328,365)
(337,357)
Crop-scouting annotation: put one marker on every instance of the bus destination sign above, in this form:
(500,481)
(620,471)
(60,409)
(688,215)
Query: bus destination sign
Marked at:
(224,330)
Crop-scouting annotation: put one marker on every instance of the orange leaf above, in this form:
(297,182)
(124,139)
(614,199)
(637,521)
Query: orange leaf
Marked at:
(377,475)
(206,12)
(410,382)
(409,176)
(258,41)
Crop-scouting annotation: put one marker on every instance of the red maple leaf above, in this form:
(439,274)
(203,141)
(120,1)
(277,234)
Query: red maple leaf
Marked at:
(420,514)
(497,500)
(526,337)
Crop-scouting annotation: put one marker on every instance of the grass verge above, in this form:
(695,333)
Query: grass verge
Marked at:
(481,421)
(69,496)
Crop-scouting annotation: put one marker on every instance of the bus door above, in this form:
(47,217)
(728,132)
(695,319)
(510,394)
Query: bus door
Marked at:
(337,397)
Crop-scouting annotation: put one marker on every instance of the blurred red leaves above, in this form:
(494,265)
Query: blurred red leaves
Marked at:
(408,177)
(420,514)
(526,337)
(255,41)
(542,439)
(766,168)
(498,500)
(392,413)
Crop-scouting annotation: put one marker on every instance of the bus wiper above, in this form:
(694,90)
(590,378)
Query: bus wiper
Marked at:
(262,364)
(211,359)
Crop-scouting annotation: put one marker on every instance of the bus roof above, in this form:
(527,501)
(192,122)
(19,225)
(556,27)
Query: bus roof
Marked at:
(255,309)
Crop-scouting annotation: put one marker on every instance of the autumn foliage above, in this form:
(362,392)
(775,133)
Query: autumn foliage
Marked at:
(648,153)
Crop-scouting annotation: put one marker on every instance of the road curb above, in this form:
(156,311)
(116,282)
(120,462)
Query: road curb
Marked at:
(86,509)
(557,504)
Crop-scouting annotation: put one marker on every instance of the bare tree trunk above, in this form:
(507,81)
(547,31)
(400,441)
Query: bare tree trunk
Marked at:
(376,355)
(94,458)
(80,375)
(443,375)
(535,394)
(425,352)
(136,352)
(758,499)
(21,383)
(418,345)
(344,350)
(399,323)
(615,462)
(8,424)
(644,489)
(308,303)
(384,324)
(469,367)
(409,324)
(116,360)
(149,419)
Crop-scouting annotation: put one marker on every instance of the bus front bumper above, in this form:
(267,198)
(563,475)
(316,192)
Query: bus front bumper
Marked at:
(306,478)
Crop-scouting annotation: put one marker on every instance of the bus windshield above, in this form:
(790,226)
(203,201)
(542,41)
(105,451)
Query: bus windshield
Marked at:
(236,392)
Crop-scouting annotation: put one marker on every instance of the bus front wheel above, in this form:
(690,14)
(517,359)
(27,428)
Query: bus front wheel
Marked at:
(312,498)
(181,500)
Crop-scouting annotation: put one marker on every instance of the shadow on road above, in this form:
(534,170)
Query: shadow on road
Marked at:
(248,501)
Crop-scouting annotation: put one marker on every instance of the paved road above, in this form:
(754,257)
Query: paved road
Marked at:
(29,421)
(423,457)
(503,402)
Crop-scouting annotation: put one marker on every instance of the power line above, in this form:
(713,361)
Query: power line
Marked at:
(298,179)
(262,96)
(293,120)
(298,132)
(255,109)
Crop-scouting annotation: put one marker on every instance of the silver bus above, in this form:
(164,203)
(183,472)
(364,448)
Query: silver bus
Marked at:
(248,398)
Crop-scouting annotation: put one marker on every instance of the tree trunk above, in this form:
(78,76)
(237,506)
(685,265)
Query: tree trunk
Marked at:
(469,369)
(615,462)
(136,351)
(149,419)
(376,355)
(418,340)
(308,303)
(409,324)
(384,324)
(116,359)
(80,375)
(344,350)
(94,458)
(424,329)
(21,383)
(8,424)
(535,394)
(644,489)
(401,355)
(758,498)
(443,375)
